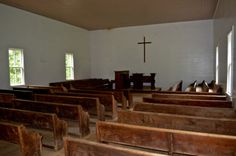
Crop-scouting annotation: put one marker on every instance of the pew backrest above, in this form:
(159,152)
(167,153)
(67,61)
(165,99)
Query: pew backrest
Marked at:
(30,142)
(186,110)
(38,120)
(171,141)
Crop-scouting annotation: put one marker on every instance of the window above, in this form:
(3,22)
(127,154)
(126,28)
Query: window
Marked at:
(69,66)
(16,67)
(230,47)
(217,64)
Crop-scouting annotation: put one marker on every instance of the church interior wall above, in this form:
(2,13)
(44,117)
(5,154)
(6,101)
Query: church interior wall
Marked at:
(179,51)
(45,42)
(225,18)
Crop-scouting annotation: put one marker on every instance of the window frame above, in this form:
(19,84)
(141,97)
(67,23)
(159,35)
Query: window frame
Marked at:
(69,66)
(217,65)
(15,67)
(230,56)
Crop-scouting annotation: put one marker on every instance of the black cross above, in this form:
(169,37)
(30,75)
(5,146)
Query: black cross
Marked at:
(144,48)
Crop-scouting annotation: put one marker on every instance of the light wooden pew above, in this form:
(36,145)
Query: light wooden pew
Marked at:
(179,122)
(64,111)
(202,103)
(30,142)
(119,95)
(189,96)
(185,110)
(171,141)
(38,120)
(84,147)
(91,105)
(192,93)
(106,99)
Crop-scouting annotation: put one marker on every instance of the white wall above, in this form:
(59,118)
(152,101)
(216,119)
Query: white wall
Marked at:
(45,43)
(179,51)
(224,19)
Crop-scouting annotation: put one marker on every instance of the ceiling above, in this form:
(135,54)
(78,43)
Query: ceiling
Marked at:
(108,14)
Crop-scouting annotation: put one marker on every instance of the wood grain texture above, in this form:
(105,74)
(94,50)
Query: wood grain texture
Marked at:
(189,96)
(107,100)
(64,111)
(91,105)
(81,147)
(38,120)
(30,142)
(118,94)
(179,122)
(173,141)
(202,103)
(186,110)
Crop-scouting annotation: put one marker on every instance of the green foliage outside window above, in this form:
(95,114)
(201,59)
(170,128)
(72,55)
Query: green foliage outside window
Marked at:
(69,61)
(16,67)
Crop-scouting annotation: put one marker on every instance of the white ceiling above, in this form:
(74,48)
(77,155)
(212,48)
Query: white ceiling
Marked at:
(107,14)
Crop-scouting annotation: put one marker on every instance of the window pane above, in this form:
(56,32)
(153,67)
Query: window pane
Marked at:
(16,66)
(69,62)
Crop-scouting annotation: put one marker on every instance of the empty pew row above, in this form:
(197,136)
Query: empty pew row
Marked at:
(38,120)
(210,112)
(19,94)
(84,147)
(29,142)
(189,96)
(188,102)
(105,99)
(91,105)
(167,140)
(64,111)
(179,122)
(119,95)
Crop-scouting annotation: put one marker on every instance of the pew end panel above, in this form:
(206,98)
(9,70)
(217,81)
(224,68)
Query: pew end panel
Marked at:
(30,142)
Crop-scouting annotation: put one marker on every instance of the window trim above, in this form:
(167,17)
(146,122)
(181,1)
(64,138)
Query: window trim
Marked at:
(70,66)
(21,67)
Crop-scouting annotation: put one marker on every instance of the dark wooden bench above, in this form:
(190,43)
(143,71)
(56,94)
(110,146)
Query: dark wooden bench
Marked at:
(91,105)
(179,122)
(171,141)
(106,99)
(6,98)
(210,112)
(119,95)
(189,102)
(190,96)
(84,147)
(30,142)
(19,94)
(64,111)
(38,120)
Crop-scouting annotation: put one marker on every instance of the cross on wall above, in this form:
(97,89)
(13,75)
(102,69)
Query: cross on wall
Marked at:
(144,48)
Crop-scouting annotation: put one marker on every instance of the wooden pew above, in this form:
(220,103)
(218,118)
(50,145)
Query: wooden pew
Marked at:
(6,98)
(30,142)
(91,105)
(19,94)
(106,99)
(179,122)
(189,102)
(84,147)
(192,93)
(64,111)
(118,94)
(171,141)
(38,120)
(190,96)
(210,112)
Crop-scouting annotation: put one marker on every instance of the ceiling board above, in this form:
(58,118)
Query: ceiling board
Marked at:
(107,14)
